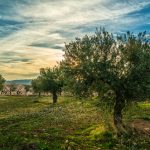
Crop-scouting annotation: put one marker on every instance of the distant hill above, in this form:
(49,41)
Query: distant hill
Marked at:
(24,82)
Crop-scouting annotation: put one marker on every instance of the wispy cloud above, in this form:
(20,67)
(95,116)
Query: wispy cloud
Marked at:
(33,32)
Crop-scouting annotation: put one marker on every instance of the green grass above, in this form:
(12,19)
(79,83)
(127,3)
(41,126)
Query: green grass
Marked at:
(35,123)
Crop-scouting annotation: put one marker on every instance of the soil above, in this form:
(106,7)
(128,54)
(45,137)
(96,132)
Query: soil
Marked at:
(140,125)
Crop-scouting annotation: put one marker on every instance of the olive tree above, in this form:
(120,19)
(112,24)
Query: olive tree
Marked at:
(121,63)
(2,81)
(51,82)
(37,85)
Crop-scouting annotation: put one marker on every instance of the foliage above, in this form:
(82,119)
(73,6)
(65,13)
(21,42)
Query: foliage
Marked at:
(2,81)
(37,85)
(120,63)
(52,81)
(49,80)
(27,87)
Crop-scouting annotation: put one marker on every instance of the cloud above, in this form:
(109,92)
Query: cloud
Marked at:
(23,68)
(33,32)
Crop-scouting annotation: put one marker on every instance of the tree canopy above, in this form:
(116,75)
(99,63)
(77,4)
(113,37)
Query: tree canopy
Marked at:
(2,81)
(37,85)
(122,63)
(49,80)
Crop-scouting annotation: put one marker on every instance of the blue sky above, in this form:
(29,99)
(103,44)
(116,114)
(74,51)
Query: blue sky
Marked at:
(33,32)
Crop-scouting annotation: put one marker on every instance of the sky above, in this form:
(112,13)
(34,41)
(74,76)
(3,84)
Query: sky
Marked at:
(33,32)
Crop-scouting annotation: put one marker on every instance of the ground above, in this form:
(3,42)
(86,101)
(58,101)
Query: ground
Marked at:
(32,123)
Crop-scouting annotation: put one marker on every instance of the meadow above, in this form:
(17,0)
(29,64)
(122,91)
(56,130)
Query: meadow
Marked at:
(33,123)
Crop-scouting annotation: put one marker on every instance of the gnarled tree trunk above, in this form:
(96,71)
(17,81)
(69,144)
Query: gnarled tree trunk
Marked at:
(118,108)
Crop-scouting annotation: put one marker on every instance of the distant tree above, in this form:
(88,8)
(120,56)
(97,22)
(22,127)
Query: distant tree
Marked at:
(12,87)
(51,82)
(27,88)
(2,81)
(121,63)
(20,89)
(37,85)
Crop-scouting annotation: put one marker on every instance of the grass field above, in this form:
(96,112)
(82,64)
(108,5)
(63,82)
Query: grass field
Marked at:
(32,123)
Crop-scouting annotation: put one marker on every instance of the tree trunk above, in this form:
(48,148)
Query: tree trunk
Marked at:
(54,97)
(118,107)
(39,94)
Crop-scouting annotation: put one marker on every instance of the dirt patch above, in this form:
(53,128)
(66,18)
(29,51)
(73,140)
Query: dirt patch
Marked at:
(140,125)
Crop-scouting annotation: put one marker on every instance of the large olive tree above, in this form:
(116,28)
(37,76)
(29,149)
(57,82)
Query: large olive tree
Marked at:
(121,63)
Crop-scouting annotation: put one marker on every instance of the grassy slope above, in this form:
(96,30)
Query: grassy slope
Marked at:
(33,123)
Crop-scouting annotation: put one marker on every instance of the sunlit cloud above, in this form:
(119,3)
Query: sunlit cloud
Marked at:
(33,32)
